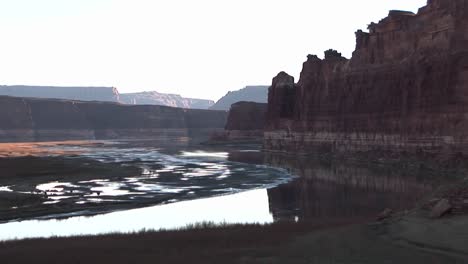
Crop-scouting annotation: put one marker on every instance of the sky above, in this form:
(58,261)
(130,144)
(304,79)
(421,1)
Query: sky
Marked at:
(196,48)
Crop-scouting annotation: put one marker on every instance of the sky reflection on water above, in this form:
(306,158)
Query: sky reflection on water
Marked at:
(254,192)
(246,207)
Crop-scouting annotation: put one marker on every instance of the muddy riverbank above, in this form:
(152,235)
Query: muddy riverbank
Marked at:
(324,215)
(94,178)
(410,239)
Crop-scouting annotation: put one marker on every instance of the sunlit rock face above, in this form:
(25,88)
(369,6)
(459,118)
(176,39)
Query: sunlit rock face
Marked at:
(405,88)
(23,119)
(155,98)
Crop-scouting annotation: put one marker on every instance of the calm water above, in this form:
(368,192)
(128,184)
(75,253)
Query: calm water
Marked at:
(245,207)
(229,185)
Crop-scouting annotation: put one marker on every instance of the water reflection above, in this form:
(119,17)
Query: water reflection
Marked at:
(323,190)
(246,207)
(163,178)
(339,190)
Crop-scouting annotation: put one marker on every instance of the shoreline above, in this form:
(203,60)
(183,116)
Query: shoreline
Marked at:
(396,240)
(400,232)
(67,168)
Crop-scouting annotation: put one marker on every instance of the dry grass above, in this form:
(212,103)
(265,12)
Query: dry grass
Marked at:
(201,243)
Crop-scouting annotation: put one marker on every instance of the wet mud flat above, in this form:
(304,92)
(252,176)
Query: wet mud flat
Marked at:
(92,178)
(24,195)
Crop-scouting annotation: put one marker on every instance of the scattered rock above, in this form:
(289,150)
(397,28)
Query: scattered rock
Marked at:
(385,214)
(441,208)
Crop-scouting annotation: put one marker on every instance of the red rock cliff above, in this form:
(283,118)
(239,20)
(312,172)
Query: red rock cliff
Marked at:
(246,121)
(405,88)
(246,116)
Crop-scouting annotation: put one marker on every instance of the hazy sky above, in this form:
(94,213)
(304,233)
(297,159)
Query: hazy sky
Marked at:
(197,48)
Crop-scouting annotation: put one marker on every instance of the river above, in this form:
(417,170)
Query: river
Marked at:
(180,186)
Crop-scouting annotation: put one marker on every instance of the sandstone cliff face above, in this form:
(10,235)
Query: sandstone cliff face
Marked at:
(246,116)
(15,115)
(405,88)
(27,119)
(155,98)
(246,120)
(257,94)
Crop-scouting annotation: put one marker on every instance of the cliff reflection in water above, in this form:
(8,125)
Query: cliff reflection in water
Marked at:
(337,190)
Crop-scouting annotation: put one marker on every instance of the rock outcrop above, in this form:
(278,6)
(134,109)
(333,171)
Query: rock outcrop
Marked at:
(246,121)
(441,208)
(155,98)
(404,89)
(246,116)
(29,119)
(257,94)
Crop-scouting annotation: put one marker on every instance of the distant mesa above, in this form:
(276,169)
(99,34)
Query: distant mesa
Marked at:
(155,98)
(256,94)
(104,94)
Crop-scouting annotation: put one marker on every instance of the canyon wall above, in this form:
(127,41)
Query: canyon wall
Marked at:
(29,119)
(246,120)
(404,89)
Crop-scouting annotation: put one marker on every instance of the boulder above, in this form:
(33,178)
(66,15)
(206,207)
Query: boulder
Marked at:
(387,213)
(441,208)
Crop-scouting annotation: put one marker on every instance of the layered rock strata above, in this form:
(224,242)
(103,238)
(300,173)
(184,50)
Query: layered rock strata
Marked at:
(404,89)
(26,119)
